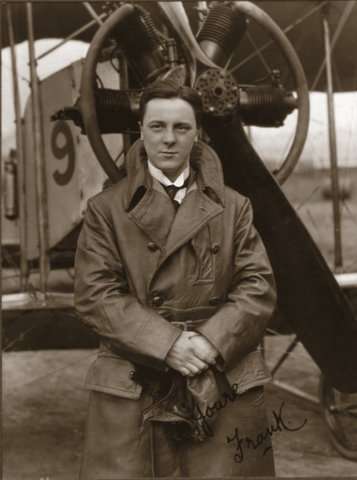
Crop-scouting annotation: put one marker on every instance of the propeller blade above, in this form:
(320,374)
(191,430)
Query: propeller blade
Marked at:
(177,18)
(308,295)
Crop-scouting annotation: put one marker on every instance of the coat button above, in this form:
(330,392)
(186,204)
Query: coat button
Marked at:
(214,301)
(151,246)
(215,248)
(156,301)
(131,373)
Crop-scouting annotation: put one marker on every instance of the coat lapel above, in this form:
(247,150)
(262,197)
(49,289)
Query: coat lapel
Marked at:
(193,214)
(154,214)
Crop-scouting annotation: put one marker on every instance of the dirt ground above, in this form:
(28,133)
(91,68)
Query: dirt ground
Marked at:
(45,408)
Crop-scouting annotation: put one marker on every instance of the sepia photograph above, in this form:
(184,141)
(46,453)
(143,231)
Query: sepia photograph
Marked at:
(178,239)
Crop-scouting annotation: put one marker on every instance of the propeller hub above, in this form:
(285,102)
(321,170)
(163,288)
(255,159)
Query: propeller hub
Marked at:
(219,92)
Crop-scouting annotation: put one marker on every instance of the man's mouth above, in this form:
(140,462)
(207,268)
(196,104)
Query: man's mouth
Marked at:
(169,152)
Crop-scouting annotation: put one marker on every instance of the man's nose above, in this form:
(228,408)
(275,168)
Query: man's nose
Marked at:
(169,136)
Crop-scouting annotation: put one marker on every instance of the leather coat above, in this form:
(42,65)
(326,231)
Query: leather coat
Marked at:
(141,265)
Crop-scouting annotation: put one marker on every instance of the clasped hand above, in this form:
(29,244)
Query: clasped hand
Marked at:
(191,354)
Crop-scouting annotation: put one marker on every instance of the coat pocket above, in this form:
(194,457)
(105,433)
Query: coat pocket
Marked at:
(112,374)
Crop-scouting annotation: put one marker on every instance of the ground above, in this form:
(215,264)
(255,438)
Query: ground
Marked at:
(45,408)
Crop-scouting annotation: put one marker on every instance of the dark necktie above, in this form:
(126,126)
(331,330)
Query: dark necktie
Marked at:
(172,190)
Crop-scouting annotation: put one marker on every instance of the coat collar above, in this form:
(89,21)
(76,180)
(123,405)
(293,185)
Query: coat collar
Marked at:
(203,160)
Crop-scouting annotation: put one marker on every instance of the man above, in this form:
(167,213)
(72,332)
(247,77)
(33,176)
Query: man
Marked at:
(177,284)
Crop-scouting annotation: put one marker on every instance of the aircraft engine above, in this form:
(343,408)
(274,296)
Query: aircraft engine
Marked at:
(150,57)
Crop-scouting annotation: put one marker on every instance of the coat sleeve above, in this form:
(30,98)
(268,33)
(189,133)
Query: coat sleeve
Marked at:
(239,324)
(103,300)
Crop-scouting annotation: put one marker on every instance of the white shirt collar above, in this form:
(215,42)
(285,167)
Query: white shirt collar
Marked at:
(162,178)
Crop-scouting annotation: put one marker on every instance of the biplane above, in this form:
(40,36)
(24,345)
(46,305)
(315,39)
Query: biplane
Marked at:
(78,123)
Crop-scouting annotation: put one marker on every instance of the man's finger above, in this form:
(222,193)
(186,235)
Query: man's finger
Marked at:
(204,356)
(204,349)
(196,366)
(199,363)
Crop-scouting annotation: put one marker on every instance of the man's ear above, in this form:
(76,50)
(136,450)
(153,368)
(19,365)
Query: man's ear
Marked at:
(141,131)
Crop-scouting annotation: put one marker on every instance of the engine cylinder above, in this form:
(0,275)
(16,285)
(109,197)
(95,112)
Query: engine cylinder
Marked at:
(140,43)
(117,111)
(263,105)
(221,33)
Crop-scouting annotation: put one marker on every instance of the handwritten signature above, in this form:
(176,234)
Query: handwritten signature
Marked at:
(211,410)
(279,424)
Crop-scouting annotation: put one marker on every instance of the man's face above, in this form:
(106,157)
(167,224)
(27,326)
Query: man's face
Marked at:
(169,130)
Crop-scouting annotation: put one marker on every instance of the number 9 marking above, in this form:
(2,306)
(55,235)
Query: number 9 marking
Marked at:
(61,152)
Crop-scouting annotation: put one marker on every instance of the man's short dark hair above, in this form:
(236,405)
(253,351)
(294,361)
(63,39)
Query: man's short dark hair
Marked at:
(170,89)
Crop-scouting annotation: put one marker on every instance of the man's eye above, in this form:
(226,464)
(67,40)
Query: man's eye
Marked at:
(183,128)
(156,128)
